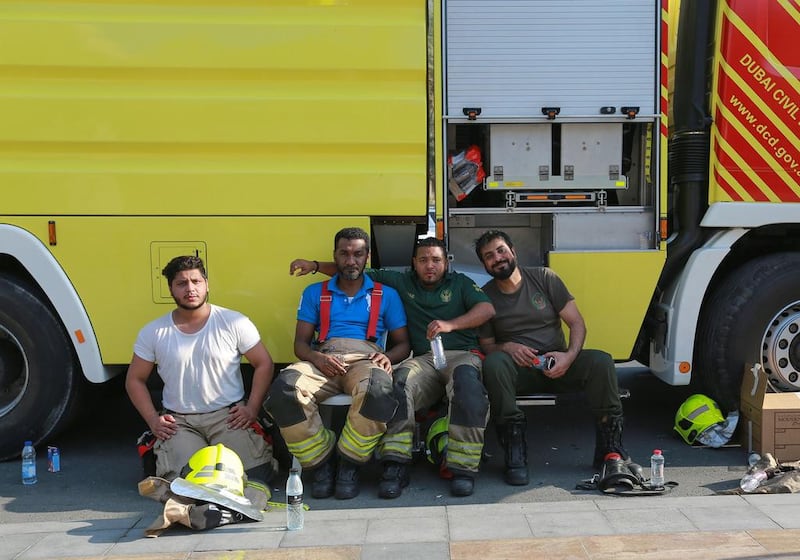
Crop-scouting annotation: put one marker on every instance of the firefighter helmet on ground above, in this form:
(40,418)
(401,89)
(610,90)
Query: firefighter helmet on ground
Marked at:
(215,474)
(436,441)
(697,414)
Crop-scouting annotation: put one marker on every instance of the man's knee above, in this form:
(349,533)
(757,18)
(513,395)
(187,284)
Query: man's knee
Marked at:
(380,402)
(470,402)
(282,399)
(497,365)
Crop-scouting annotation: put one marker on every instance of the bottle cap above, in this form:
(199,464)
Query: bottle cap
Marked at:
(656,452)
(613,457)
(28,442)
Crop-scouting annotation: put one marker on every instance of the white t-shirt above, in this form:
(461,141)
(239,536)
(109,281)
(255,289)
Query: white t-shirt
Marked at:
(201,371)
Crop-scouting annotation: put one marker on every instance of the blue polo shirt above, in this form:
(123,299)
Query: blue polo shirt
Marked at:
(350,315)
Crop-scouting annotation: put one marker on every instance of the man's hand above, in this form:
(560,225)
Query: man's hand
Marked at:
(438,326)
(382,361)
(330,365)
(522,355)
(301,267)
(162,426)
(563,361)
(240,417)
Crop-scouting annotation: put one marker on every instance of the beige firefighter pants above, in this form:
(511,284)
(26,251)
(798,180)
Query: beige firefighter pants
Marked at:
(373,404)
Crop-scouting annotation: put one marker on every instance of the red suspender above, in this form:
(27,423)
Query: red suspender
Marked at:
(324,312)
(374,311)
(325,299)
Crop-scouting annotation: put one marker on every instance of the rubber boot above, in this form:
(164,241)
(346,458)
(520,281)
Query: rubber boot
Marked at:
(512,437)
(608,439)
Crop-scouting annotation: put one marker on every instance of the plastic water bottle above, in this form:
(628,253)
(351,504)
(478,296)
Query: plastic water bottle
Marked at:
(28,464)
(657,469)
(294,501)
(437,350)
(753,480)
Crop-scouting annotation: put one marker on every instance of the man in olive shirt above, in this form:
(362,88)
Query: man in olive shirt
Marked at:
(530,305)
(437,302)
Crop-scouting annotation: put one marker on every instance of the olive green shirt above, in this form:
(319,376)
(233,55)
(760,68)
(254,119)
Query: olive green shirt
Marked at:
(454,296)
(529,316)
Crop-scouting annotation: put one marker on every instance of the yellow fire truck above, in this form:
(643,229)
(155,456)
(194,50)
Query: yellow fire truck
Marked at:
(646,153)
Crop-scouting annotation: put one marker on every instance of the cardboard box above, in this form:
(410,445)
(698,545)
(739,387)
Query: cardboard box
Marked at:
(770,421)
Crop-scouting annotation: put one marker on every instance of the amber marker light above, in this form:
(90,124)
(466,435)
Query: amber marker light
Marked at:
(684,367)
(51,231)
(663,228)
(79,336)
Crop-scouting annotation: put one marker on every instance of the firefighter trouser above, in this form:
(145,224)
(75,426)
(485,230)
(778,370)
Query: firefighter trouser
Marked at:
(199,430)
(420,386)
(296,392)
(593,372)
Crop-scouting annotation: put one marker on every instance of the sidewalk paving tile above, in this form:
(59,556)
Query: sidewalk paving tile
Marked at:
(569,524)
(173,540)
(327,533)
(59,545)
(517,549)
(480,526)
(12,546)
(409,551)
(686,546)
(407,530)
(736,518)
(645,520)
(778,542)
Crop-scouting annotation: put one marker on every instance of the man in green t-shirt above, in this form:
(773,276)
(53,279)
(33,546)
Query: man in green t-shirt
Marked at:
(437,302)
(530,305)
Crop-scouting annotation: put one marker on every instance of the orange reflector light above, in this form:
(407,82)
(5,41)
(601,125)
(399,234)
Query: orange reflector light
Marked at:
(664,228)
(51,231)
(79,336)
(684,367)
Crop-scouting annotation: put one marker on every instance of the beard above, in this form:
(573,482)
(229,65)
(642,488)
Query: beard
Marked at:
(192,307)
(351,273)
(503,270)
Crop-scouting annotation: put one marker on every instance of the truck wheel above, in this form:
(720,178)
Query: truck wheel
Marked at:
(752,317)
(37,371)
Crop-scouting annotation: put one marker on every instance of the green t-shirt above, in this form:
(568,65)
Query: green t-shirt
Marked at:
(453,297)
(529,316)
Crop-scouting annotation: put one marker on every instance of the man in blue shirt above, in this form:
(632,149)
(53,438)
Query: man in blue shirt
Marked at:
(351,314)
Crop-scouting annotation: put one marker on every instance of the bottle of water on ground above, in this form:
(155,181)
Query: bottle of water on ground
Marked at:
(657,469)
(294,501)
(753,480)
(28,464)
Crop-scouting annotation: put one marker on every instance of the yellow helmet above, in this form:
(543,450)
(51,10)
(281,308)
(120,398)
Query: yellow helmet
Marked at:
(216,467)
(696,415)
(436,441)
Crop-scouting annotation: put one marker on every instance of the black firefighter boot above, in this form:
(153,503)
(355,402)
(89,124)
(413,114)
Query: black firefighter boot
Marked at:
(512,438)
(608,439)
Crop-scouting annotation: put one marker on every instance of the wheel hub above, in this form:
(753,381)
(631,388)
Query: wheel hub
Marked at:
(780,349)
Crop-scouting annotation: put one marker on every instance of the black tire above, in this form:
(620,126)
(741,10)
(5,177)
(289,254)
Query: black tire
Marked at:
(737,324)
(38,381)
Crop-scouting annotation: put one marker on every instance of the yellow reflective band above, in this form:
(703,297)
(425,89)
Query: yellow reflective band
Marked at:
(464,454)
(312,448)
(358,445)
(397,444)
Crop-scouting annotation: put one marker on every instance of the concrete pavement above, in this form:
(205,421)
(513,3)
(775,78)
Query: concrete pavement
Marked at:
(707,527)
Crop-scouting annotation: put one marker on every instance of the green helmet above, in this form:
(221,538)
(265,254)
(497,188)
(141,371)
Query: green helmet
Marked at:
(436,441)
(696,415)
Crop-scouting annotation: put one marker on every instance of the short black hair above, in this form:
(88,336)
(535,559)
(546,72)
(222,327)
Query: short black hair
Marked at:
(184,262)
(351,233)
(488,236)
(429,242)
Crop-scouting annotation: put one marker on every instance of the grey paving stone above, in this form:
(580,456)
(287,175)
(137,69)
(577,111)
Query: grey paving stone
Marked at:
(785,515)
(569,524)
(327,533)
(667,502)
(173,540)
(60,545)
(645,520)
(408,551)
(377,513)
(407,530)
(468,526)
(239,537)
(720,518)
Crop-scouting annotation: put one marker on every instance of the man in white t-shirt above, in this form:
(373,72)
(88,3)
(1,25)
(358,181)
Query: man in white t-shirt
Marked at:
(198,348)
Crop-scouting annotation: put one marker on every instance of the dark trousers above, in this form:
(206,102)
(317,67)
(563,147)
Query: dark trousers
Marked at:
(593,373)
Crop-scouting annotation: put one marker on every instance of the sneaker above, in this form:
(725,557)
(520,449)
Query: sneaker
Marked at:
(347,480)
(322,481)
(393,480)
(462,485)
